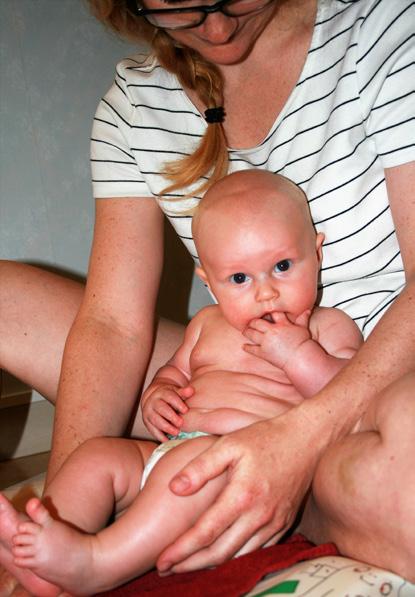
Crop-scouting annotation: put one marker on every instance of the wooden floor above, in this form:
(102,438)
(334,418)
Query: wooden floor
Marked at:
(20,469)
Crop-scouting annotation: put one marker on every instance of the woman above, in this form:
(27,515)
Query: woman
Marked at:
(320,91)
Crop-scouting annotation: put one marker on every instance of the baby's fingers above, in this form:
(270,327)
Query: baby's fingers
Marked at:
(160,427)
(168,411)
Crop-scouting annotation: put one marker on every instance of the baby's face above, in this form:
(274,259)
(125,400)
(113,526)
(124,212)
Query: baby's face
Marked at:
(258,265)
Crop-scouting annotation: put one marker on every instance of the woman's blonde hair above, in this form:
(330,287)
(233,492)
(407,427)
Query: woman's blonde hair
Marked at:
(195,73)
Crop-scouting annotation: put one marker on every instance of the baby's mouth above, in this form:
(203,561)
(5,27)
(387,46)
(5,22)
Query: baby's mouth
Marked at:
(268,317)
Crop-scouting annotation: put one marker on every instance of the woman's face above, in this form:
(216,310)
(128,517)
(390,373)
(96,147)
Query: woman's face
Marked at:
(221,39)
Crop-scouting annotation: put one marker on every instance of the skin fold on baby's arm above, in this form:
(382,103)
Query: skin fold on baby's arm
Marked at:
(311,350)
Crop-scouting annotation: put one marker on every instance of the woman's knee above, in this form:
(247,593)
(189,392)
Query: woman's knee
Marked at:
(367,480)
(393,412)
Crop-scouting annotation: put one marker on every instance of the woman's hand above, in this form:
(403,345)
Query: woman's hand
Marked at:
(270,466)
(162,408)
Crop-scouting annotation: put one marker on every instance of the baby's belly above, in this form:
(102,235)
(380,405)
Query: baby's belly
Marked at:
(242,391)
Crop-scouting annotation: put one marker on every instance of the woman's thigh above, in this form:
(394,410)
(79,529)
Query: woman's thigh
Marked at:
(37,309)
(362,495)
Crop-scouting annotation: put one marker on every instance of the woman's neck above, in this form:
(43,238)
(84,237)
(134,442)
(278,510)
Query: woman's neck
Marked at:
(268,75)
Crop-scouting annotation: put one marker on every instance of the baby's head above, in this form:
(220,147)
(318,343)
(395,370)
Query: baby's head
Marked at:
(257,246)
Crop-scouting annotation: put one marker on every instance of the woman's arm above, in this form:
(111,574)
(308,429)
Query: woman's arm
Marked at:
(109,345)
(255,507)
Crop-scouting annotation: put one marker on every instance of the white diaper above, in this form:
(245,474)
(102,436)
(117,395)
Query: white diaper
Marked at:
(165,447)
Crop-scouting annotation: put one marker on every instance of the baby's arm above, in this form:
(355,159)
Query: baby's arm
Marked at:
(311,350)
(164,399)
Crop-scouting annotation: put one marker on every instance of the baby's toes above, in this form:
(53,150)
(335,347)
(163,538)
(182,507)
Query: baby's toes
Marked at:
(21,552)
(37,512)
(27,530)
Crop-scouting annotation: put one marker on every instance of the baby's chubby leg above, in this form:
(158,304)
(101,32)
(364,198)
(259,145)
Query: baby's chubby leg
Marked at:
(101,477)
(128,547)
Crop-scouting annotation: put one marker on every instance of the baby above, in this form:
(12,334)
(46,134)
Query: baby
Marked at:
(262,349)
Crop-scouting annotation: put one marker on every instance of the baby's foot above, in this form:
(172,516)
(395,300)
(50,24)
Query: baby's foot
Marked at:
(9,522)
(53,550)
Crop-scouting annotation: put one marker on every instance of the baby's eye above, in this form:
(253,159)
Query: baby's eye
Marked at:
(282,266)
(239,278)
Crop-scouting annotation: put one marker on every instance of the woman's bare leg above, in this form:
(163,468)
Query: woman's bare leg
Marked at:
(364,487)
(37,309)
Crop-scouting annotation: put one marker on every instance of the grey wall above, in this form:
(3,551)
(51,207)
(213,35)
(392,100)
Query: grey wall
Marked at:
(56,63)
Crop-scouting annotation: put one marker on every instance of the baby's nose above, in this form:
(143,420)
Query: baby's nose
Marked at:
(266,291)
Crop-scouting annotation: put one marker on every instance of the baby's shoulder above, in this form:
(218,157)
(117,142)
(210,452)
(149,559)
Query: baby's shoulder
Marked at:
(328,314)
(206,314)
(324,317)
(329,325)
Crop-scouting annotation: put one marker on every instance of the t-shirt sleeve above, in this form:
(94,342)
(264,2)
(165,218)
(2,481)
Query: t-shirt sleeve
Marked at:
(115,172)
(386,74)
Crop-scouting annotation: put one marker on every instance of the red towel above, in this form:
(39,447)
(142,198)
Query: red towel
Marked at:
(233,578)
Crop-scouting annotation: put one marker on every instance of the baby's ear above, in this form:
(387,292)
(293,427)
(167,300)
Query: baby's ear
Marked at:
(202,274)
(319,246)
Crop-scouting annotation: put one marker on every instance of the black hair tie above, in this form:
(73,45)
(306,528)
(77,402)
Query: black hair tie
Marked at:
(215,115)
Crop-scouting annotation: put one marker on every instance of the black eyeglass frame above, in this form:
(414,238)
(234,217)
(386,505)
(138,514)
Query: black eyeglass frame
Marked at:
(204,9)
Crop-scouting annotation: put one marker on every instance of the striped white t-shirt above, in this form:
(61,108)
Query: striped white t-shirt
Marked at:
(350,115)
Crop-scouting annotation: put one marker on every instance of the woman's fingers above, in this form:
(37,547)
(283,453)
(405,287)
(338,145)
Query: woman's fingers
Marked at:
(261,497)
(246,505)
(245,530)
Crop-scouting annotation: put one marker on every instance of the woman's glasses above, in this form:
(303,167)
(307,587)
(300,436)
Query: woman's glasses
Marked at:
(193,16)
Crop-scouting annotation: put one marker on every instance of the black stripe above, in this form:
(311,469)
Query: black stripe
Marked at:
(153,86)
(120,88)
(105,101)
(356,257)
(338,240)
(325,70)
(340,159)
(396,99)
(151,128)
(158,128)
(397,254)
(397,149)
(338,34)
(324,21)
(306,130)
(105,122)
(357,296)
(178,217)
(113,162)
(166,151)
(339,213)
(384,306)
(112,145)
(156,108)
(116,180)
(366,21)
(392,126)
(384,62)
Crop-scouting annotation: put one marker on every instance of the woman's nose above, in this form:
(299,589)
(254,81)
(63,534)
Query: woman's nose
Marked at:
(218,28)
